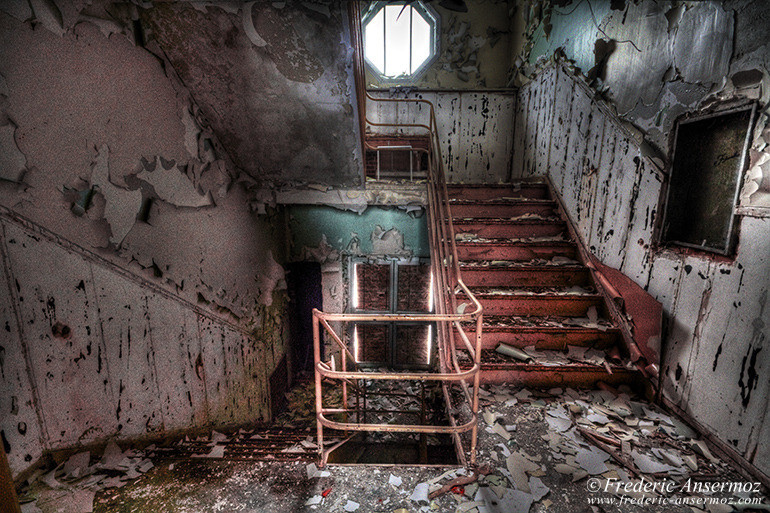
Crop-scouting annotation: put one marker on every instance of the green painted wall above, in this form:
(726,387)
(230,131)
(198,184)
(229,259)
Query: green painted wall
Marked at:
(308,223)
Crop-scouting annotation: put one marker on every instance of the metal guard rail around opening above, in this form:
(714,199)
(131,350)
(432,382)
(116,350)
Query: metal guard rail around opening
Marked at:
(446,273)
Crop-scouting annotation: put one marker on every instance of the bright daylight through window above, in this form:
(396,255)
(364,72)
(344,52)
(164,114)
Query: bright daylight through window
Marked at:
(399,38)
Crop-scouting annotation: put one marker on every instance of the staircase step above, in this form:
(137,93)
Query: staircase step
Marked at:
(544,337)
(544,376)
(534,302)
(524,275)
(505,249)
(502,208)
(510,229)
(534,190)
(498,369)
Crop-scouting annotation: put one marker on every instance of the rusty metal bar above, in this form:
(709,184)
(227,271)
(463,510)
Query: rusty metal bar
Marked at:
(447,284)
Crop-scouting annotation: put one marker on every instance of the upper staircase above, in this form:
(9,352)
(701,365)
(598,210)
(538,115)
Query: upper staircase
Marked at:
(518,258)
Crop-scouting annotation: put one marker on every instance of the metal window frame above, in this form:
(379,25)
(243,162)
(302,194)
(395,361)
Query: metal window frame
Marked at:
(395,263)
(433,19)
(730,242)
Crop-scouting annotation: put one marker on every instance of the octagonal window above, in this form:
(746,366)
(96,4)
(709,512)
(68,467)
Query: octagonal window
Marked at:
(400,39)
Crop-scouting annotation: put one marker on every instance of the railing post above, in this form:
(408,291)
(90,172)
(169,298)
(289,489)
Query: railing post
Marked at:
(344,386)
(318,391)
(476,380)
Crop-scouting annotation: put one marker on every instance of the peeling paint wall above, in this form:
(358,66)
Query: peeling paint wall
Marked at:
(142,293)
(320,233)
(330,236)
(471,44)
(657,60)
(716,341)
(93,352)
(475,130)
(273,79)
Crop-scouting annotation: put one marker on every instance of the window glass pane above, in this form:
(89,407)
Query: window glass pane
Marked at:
(413,344)
(373,343)
(374,41)
(413,288)
(397,41)
(420,41)
(372,287)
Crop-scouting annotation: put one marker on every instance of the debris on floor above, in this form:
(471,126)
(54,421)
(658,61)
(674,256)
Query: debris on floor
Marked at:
(72,484)
(560,450)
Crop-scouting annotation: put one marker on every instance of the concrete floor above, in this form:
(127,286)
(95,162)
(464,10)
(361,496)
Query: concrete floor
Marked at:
(547,460)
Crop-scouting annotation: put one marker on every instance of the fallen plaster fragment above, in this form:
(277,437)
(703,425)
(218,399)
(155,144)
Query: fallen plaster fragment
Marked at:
(217,437)
(121,205)
(538,488)
(515,501)
(351,506)
(394,480)
(50,479)
(112,456)
(592,460)
(648,465)
(519,465)
(313,472)
(558,425)
(315,499)
(248,25)
(48,15)
(420,494)
(217,452)
(490,417)
(174,187)
(500,430)
(13,163)
(653,415)
(77,464)
(701,448)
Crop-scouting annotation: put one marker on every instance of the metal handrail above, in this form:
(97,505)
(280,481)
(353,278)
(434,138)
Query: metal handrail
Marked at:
(447,283)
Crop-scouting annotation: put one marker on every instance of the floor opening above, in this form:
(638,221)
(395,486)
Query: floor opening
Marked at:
(398,402)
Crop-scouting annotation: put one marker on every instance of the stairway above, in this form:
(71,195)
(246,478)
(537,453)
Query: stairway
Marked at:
(517,257)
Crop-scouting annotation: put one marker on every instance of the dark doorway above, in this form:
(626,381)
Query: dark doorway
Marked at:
(304,284)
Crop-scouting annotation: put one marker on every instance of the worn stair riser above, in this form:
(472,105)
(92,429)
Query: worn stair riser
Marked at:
(518,252)
(490,218)
(487,192)
(480,210)
(501,277)
(512,229)
(551,338)
(547,377)
(567,306)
